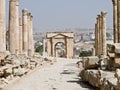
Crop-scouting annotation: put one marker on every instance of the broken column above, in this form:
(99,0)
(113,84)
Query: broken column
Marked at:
(2,26)
(25,30)
(103,17)
(13,26)
(20,36)
(115,22)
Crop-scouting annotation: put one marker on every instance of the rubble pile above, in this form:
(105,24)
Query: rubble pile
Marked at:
(102,71)
(15,66)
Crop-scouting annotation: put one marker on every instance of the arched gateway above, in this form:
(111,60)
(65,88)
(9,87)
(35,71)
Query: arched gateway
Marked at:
(60,43)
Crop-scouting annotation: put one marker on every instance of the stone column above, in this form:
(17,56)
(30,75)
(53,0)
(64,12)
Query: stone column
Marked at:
(103,15)
(118,18)
(115,28)
(96,41)
(13,26)
(49,47)
(20,36)
(98,36)
(30,34)
(2,26)
(44,47)
(69,44)
(25,31)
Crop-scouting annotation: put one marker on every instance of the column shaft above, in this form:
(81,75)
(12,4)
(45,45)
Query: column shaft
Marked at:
(103,15)
(118,18)
(98,36)
(20,36)
(2,26)
(115,21)
(96,43)
(13,26)
(30,34)
(25,31)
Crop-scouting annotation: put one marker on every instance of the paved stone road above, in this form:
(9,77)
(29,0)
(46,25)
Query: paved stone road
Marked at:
(60,76)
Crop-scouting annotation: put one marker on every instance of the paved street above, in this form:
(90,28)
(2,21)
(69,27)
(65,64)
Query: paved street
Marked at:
(63,75)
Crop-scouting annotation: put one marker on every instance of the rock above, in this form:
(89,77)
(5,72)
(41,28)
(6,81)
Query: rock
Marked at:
(19,71)
(90,62)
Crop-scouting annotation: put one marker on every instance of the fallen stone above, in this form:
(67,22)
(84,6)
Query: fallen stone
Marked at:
(90,62)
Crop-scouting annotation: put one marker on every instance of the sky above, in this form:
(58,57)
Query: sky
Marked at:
(50,14)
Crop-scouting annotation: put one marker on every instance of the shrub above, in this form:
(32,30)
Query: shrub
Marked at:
(39,49)
(85,53)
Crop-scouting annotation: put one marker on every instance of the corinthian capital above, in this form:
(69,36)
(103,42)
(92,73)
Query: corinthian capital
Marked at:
(103,13)
(114,2)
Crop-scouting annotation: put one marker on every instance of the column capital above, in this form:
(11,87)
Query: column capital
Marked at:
(103,13)
(13,0)
(114,2)
(30,16)
(25,12)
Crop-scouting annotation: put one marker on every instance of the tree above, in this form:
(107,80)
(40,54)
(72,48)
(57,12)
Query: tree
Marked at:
(85,53)
(39,49)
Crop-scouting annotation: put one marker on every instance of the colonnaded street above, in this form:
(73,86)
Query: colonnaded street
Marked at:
(62,75)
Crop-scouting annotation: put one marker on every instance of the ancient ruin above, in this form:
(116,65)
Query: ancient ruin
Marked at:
(100,37)
(101,70)
(56,37)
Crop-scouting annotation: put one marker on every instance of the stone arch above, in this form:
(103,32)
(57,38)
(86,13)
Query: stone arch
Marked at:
(65,37)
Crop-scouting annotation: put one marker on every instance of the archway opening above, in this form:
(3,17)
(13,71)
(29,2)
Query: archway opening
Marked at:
(60,49)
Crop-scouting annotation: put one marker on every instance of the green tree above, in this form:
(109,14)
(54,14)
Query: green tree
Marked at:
(39,49)
(85,53)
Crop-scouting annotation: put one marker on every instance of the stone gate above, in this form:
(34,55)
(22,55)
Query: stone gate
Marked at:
(60,37)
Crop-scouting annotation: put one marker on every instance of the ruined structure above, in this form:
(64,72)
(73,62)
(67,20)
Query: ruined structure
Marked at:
(64,37)
(104,72)
(2,26)
(13,26)
(28,42)
(100,37)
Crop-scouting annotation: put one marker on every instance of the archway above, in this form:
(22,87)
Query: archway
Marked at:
(59,39)
(60,49)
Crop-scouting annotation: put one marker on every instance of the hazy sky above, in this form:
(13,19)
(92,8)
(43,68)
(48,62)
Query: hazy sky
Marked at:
(66,13)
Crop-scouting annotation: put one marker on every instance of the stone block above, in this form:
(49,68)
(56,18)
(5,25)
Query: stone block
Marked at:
(90,62)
